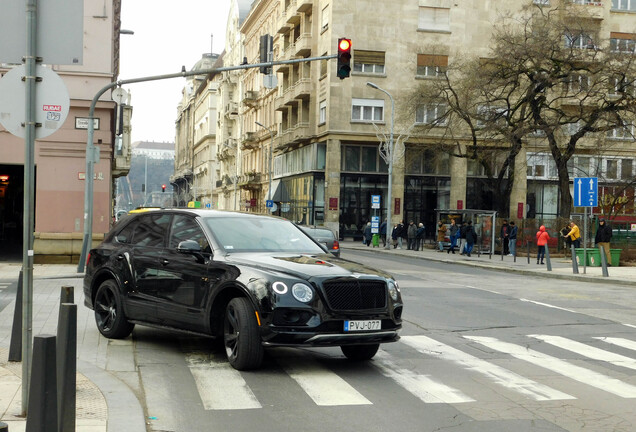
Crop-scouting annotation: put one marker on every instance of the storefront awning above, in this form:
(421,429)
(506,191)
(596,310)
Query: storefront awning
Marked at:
(280,191)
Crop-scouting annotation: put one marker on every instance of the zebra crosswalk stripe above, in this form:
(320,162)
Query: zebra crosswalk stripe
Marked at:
(220,386)
(562,367)
(498,374)
(588,351)
(322,385)
(421,386)
(624,343)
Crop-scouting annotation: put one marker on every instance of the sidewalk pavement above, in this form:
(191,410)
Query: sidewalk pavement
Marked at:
(561,266)
(107,381)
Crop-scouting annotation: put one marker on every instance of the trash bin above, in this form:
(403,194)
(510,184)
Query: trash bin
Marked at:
(593,256)
(616,255)
(375,240)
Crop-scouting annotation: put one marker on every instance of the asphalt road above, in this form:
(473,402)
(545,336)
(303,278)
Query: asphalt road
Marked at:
(480,351)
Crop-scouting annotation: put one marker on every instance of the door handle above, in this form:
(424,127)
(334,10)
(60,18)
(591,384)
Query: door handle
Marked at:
(120,257)
(165,262)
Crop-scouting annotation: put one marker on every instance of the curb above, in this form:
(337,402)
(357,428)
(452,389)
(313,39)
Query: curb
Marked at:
(495,267)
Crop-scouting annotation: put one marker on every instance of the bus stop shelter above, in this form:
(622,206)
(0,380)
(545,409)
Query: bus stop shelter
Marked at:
(484,223)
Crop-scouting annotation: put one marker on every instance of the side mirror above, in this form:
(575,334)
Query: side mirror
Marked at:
(189,247)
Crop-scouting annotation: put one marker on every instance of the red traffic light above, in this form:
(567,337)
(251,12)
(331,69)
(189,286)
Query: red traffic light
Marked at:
(344,58)
(163,188)
(344,44)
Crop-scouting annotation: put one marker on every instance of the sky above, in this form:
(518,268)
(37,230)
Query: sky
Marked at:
(168,35)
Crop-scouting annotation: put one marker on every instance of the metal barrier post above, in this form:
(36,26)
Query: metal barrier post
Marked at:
(548,264)
(42,415)
(604,262)
(66,366)
(15,347)
(575,265)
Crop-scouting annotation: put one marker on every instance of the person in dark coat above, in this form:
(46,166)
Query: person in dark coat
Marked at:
(471,236)
(462,238)
(512,244)
(505,237)
(453,234)
(395,235)
(411,232)
(419,237)
(401,233)
(367,234)
(383,232)
(602,239)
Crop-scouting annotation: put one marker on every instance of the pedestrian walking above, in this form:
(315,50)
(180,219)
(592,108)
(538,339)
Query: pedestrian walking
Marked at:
(367,234)
(453,234)
(441,235)
(411,232)
(471,237)
(512,243)
(602,239)
(383,232)
(419,237)
(505,237)
(542,243)
(462,238)
(574,234)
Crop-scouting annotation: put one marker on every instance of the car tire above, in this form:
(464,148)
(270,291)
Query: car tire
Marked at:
(241,335)
(360,352)
(109,312)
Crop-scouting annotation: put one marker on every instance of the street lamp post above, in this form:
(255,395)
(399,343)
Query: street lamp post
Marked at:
(271,146)
(390,162)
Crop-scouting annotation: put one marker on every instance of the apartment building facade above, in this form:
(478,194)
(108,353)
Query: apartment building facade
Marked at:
(60,158)
(325,132)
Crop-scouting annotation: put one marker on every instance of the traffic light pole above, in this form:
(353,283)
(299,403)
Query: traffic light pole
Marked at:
(92,153)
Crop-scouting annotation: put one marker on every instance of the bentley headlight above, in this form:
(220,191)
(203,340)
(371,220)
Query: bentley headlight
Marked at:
(302,292)
(393,290)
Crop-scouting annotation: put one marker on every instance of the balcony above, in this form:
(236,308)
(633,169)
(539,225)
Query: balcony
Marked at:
(587,9)
(293,136)
(250,181)
(302,89)
(231,109)
(250,97)
(302,45)
(249,141)
(304,6)
(282,26)
(292,17)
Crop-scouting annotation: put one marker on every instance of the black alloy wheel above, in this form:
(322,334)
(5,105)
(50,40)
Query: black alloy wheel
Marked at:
(241,335)
(360,352)
(109,314)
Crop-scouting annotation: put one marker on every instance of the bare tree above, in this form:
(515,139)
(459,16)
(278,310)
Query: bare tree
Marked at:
(547,77)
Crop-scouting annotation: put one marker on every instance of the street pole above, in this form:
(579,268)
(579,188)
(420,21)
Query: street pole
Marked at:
(271,146)
(390,163)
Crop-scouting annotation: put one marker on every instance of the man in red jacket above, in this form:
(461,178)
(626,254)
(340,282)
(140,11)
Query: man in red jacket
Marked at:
(542,243)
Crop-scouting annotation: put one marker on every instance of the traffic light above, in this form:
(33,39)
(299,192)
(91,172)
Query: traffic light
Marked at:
(163,188)
(344,58)
(265,50)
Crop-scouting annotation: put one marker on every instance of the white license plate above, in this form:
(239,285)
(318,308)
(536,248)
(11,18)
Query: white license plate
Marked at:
(362,325)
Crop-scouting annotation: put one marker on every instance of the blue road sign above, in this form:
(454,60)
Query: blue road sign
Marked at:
(585,191)
(375,201)
(269,203)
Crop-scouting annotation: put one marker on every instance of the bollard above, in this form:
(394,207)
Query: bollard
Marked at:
(15,347)
(42,415)
(528,244)
(548,264)
(66,366)
(66,294)
(4,427)
(575,265)
(604,262)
